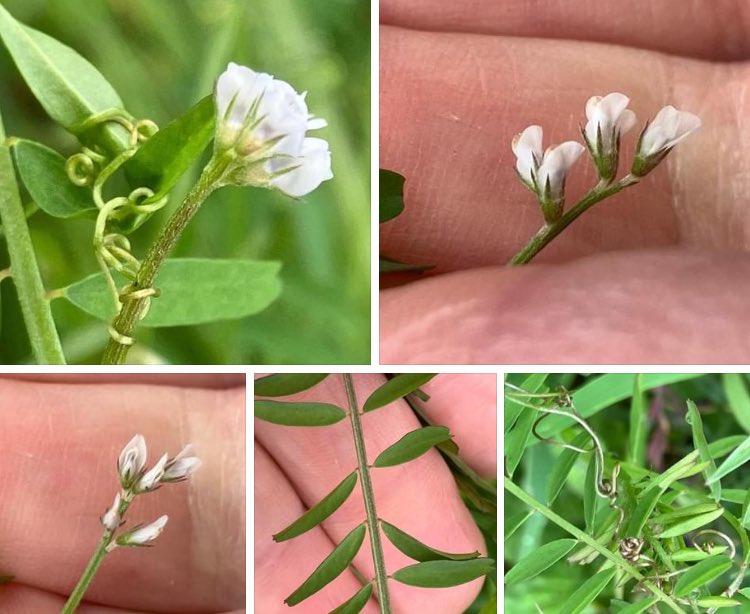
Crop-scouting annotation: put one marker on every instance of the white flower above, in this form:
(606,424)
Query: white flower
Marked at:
(143,535)
(132,460)
(152,477)
(111,519)
(609,116)
(667,129)
(181,466)
(264,121)
(528,149)
(551,173)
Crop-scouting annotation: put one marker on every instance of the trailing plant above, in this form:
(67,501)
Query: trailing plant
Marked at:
(634,538)
(124,172)
(433,568)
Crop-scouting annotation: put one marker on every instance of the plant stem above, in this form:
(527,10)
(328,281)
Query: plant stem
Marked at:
(548,232)
(94,563)
(37,315)
(381,576)
(126,321)
(520,494)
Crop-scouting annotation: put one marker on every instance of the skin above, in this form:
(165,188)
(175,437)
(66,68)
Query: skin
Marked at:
(58,452)
(657,274)
(296,467)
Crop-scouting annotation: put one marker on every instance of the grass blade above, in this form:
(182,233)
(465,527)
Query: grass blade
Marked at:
(738,398)
(699,440)
(736,459)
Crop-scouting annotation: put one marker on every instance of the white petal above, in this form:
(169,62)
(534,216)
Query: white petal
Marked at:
(527,146)
(237,89)
(557,160)
(667,129)
(146,534)
(132,458)
(314,168)
(153,476)
(627,121)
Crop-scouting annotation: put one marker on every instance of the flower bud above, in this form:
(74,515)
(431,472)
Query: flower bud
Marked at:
(111,519)
(608,119)
(152,477)
(668,128)
(140,536)
(132,460)
(181,466)
(262,122)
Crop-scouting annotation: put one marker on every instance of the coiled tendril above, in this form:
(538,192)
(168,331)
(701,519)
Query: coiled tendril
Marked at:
(112,249)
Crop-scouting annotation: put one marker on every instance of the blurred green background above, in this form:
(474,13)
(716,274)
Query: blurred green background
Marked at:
(162,56)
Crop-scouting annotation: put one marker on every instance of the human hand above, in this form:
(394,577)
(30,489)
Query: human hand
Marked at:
(646,276)
(296,467)
(59,445)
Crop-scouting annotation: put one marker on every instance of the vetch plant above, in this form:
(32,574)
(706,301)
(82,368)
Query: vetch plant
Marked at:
(433,568)
(135,479)
(651,540)
(608,119)
(124,173)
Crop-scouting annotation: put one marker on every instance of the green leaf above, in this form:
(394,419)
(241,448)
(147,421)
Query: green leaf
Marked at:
(602,392)
(643,510)
(701,444)
(691,524)
(717,602)
(167,155)
(562,467)
(589,494)
(515,522)
(588,591)
(284,384)
(745,592)
(395,388)
(686,555)
(331,567)
(389,265)
(518,439)
(639,606)
(193,291)
(68,87)
(638,423)
(356,603)
(298,414)
(539,560)
(412,445)
(684,512)
(512,410)
(736,459)
(738,398)
(745,520)
(701,573)
(320,511)
(43,173)
(418,551)
(443,574)
(391,195)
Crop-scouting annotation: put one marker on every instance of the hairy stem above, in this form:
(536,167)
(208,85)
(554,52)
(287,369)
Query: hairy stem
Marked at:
(381,576)
(94,563)
(548,232)
(520,494)
(126,321)
(37,315)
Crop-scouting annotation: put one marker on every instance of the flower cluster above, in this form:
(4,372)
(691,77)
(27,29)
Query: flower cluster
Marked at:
(263,123)
(136,479)
(608,119)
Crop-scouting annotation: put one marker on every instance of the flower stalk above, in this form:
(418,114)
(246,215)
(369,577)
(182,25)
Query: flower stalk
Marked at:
(373,526)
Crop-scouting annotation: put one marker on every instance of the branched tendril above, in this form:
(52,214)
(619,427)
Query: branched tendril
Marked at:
(112,249)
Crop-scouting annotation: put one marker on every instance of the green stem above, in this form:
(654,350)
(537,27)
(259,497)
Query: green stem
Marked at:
(381,576)
(520,494)
(126,321)
(37,315)
(548,232)
(94,563)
